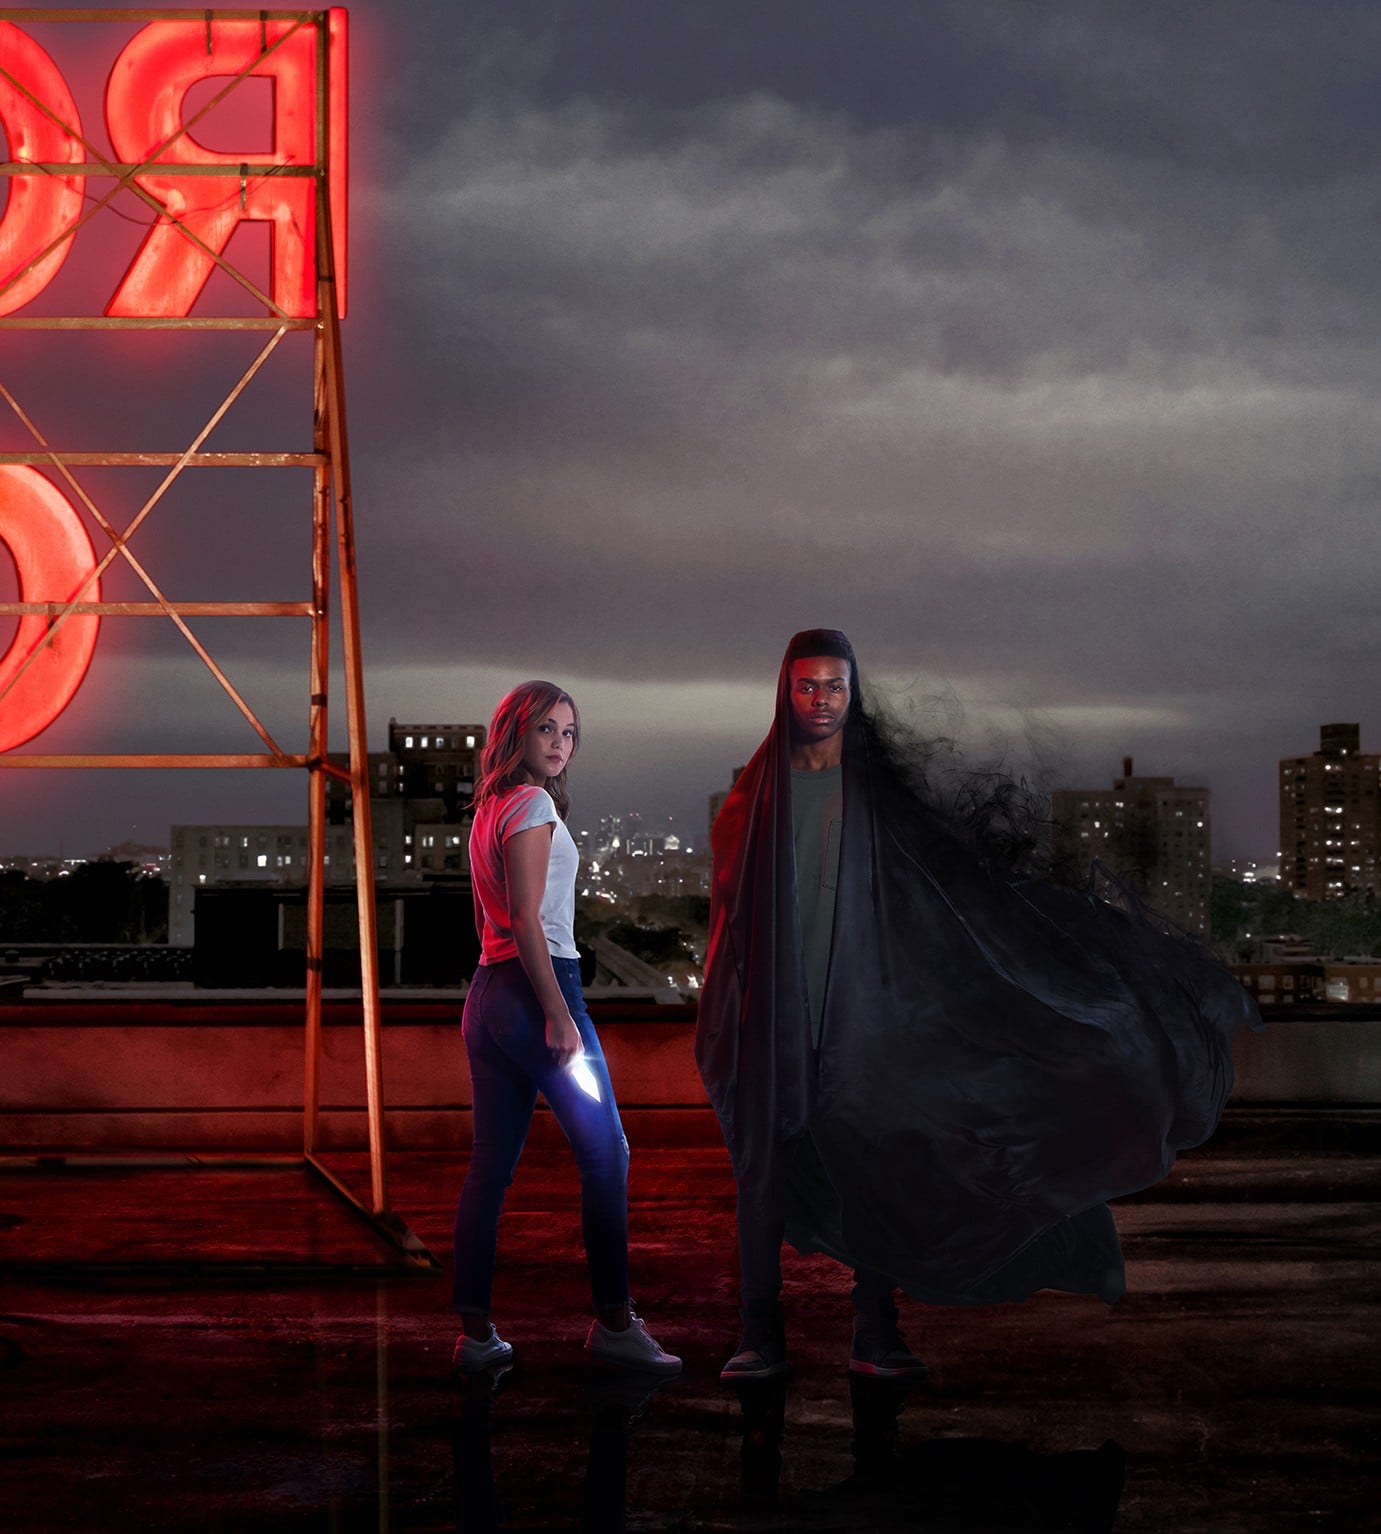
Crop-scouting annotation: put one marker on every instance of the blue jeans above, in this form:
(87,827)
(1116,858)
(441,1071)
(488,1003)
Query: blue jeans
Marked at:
(506,1040)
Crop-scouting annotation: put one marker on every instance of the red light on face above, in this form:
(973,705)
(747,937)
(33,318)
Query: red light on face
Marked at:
(144,117)
(54,558)
(40,208)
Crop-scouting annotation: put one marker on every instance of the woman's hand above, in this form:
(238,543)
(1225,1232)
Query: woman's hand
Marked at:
(525,855)
(563,1037)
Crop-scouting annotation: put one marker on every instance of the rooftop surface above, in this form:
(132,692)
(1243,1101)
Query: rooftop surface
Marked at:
(147,1382)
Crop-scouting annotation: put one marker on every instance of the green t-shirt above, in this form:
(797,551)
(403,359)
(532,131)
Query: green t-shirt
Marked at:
(817,821)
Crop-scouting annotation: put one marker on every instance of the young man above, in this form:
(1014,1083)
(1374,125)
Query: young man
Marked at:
(924,1065)
(820,691)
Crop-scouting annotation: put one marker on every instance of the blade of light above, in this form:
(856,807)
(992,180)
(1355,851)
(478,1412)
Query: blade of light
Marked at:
(584,1077)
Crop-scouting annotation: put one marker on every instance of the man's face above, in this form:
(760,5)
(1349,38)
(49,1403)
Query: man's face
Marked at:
(819,698)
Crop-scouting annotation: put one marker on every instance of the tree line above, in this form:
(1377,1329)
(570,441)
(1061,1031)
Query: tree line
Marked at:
(1245,914)
(97,902)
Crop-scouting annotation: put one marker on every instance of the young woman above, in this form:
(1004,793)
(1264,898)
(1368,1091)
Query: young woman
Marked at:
(526,1031)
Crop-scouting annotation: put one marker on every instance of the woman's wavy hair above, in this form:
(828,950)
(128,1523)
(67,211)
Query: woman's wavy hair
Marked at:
(501,761)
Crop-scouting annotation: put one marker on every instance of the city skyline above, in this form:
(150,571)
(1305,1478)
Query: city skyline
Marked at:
(688,819)
(1032,347)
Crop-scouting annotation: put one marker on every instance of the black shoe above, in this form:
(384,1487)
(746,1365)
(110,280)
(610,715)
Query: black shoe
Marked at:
(881,1350)
(760,1363)
(761,1353)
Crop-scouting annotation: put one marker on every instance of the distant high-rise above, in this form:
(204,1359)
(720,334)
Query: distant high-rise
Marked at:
(420,792)
(1151,832)
(609,837)
(1330,817)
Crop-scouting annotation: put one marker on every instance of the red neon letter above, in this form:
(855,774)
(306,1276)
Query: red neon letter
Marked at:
(40,206)
(144,100)
(54,557)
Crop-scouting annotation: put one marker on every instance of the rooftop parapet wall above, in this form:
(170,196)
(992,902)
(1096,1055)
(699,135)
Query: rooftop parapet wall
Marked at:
(97,1071)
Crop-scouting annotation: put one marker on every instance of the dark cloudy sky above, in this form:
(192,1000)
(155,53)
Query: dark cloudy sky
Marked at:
(1037,346)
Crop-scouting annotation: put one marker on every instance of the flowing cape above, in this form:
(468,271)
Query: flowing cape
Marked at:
(998,1056)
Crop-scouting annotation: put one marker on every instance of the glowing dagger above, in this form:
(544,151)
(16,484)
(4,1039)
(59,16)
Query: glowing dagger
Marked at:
(584,1077)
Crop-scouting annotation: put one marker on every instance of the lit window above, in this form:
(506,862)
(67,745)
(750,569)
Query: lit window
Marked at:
(263,860)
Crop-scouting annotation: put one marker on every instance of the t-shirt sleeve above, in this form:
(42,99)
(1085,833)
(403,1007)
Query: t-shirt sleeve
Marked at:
(533,807)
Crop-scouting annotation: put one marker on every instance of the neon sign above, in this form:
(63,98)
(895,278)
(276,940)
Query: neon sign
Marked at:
(41,670)
(145,100)
(40,207)
(194,200)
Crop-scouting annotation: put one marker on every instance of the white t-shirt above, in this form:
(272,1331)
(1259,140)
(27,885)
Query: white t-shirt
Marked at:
(520,809)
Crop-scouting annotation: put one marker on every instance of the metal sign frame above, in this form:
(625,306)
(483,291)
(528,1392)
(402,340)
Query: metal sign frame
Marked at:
(332,519)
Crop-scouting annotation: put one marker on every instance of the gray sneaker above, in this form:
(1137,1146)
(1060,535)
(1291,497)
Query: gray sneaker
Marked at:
(474,1354)
(633,1348)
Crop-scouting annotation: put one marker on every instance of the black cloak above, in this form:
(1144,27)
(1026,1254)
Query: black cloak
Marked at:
(998,1055)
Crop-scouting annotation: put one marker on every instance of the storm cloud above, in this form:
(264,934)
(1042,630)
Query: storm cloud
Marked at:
(1036,347)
